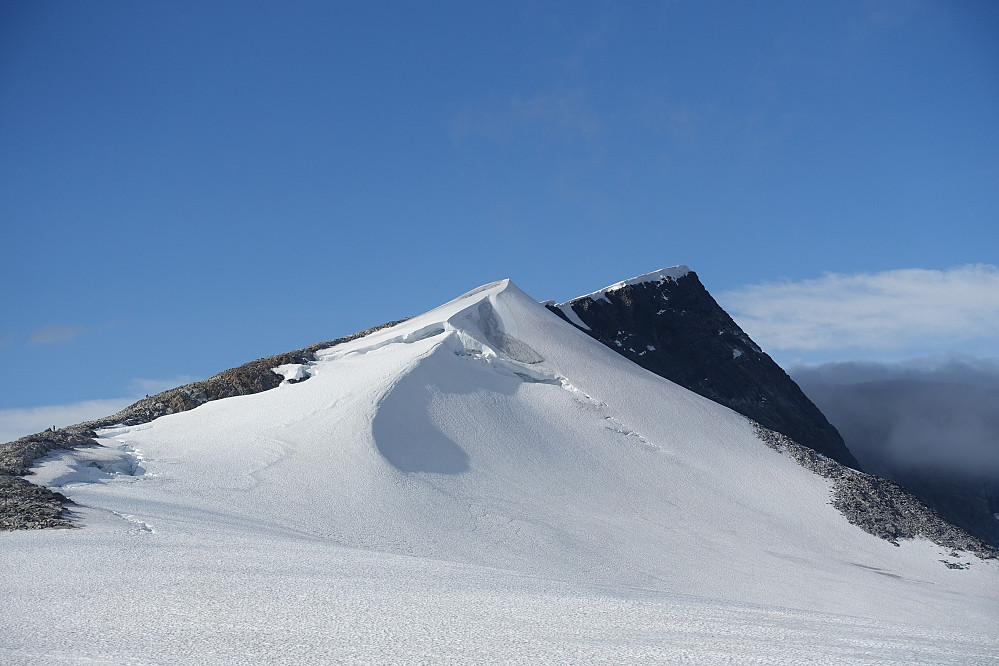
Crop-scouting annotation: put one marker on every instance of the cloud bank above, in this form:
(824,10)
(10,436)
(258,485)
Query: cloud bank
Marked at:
(938,414)
(18,422)
(891,310)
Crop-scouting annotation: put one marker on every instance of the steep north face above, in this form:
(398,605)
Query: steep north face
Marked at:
(669,324)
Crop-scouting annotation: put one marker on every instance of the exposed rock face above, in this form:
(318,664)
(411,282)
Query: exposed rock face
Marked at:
(934,431)
(669,324)
(879,506)
(27,506)
(23,505)
(967,500)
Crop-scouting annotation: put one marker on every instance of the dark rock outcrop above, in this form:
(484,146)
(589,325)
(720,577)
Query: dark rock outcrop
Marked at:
(879,506)
(24,505)
(934,431)
(669,324)
(968,500)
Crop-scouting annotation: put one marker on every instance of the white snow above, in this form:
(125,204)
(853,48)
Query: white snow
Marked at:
(567,310)
(483,483)
(292,372)
(736,353)
(661,275)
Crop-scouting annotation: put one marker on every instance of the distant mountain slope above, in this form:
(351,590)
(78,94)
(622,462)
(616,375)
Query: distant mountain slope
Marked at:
(934,430)
(24,505)
(668,323)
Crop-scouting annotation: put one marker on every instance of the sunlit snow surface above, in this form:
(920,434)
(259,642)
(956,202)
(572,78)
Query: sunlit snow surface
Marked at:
(671,273)
(483,483)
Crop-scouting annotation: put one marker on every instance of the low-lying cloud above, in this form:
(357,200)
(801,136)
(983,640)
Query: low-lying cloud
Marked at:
(899,417)
(872,311)
(16,423)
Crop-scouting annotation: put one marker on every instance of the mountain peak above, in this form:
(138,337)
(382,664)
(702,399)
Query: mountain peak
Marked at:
(668,323)
(488,461)
(661,275)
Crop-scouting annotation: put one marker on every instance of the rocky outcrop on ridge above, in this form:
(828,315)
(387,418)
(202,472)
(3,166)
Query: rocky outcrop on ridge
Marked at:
(967,499)
(669,324)
(683,312)
(879,506)
(919,428)
(24,505)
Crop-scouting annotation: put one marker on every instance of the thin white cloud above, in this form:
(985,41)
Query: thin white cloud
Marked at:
(52,334)
(878,311)
(16,423)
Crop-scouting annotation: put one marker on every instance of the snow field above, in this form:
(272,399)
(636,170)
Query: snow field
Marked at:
(481,483)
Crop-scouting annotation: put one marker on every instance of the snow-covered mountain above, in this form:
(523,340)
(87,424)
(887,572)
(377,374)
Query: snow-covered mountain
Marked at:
(481,483)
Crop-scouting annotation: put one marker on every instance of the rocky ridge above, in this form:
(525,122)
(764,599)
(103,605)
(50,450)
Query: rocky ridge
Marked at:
(24,505)
(879,506)
(669,324)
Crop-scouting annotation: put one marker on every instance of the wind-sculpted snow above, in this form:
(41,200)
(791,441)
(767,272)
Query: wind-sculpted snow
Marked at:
(24,505)
(492,328)
(436,493)
(404,432)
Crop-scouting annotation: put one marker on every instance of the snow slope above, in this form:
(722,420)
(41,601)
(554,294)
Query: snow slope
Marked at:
(481,483)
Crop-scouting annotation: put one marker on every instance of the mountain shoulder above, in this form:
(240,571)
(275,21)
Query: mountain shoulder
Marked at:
(879,506)
(26,506)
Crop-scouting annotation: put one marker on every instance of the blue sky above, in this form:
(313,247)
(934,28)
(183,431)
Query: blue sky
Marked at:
(188,186)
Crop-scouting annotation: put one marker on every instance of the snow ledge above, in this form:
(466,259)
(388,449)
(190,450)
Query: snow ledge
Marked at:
(661,275)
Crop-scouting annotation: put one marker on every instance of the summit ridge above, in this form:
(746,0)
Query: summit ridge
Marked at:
(668,323)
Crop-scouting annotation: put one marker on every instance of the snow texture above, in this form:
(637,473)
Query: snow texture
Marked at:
(483,483)
(292,372)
